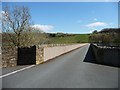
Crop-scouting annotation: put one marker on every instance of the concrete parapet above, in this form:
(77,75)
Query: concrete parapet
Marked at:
(52,52)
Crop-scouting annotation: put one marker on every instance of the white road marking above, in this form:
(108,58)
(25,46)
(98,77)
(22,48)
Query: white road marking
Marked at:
(16,71)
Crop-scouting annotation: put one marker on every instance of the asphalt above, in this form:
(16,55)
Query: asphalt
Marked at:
(66,71)
(12,69)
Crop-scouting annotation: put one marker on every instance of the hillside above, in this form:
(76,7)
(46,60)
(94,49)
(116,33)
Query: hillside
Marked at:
(76,38)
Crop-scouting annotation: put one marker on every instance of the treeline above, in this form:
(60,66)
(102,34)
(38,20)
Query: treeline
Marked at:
(107,35)
(59,34)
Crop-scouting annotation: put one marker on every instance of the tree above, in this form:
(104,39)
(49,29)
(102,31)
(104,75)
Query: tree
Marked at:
(15,23)
(95,31)
(32,36)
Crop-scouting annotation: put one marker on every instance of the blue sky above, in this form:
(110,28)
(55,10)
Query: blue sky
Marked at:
(82,17)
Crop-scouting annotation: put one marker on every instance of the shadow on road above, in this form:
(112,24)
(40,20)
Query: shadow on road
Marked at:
(90,57)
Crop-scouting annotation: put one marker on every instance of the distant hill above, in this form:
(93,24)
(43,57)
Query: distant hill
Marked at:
(110,30)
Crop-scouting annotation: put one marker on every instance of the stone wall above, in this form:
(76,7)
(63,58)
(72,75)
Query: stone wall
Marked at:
(9,56)
(39,54)
(106,55)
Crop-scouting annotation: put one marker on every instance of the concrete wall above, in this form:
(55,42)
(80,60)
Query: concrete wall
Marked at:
(52,52)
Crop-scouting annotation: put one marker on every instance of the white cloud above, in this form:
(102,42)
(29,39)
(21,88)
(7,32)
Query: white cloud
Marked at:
(2,13)
(91,31)
(45,28)
(96,24)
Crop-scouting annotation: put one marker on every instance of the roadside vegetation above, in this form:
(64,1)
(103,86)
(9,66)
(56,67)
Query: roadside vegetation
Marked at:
(106,36)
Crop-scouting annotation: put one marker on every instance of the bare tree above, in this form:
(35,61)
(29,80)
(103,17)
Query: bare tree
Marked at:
(31,37)
(15,21)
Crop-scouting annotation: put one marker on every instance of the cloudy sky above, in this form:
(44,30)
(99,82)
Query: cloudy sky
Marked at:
(69,17)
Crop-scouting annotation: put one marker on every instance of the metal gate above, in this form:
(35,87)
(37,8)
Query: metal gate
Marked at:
(26,56)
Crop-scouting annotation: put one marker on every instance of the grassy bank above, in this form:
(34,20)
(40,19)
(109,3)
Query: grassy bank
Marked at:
(76,38)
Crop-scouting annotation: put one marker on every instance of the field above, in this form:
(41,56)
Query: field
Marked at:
(54,39)
(76,38)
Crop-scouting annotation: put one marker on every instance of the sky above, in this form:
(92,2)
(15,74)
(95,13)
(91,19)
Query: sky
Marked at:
(71,17)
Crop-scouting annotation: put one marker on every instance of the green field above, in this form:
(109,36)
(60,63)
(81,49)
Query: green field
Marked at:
(55,39)
(77,38)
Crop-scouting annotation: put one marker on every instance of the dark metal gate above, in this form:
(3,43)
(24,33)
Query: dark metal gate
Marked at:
(26,56)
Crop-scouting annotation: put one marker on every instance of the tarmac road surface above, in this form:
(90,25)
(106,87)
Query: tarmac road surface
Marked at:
(66,71)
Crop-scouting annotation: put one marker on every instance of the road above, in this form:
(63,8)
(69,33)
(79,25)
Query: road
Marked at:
(66,71)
